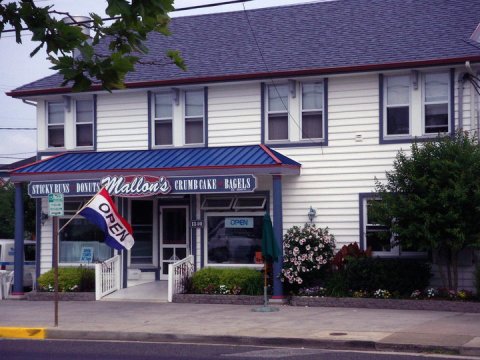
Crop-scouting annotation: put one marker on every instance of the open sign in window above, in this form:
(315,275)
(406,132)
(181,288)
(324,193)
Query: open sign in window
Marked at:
(233,239)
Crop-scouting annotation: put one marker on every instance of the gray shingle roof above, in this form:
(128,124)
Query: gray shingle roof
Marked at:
(307,38)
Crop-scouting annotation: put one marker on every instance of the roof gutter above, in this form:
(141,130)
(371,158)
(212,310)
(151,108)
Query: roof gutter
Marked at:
(258,75)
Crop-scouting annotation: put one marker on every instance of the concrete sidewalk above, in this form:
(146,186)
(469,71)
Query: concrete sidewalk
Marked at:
(339,328)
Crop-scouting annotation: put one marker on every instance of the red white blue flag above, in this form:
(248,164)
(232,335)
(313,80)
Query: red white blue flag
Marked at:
(102,212)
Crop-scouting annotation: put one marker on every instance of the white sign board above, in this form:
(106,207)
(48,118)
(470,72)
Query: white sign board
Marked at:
(239,222)
(55,204)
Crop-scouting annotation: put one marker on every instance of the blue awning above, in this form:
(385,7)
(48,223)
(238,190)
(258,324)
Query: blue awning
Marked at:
(254,159)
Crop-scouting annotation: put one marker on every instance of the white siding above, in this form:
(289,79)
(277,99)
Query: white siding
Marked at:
(332,176)
(234,115)
(122,121)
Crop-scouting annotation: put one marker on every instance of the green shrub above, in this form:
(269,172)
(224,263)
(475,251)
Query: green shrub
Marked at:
(227,281)
(69,279)
(336,284)
(399,276)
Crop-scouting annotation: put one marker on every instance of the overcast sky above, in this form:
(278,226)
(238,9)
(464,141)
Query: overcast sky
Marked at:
(17,68)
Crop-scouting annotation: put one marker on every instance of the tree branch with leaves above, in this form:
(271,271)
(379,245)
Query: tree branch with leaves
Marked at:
(105,57)
(431,200)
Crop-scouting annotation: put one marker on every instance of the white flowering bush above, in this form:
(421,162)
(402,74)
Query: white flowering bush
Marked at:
(382,294)
(306,252)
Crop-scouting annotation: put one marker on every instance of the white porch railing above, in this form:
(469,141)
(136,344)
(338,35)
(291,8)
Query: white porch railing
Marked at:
(107,277)
(178,275)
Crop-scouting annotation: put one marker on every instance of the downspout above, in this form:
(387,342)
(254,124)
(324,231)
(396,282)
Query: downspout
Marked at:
(461,82)
(31,103)
(477,96)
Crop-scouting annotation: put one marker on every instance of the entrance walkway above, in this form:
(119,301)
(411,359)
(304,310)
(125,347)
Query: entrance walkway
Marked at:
(155,291)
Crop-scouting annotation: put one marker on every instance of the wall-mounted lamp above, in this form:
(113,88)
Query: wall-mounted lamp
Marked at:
(43,218)
(311,214)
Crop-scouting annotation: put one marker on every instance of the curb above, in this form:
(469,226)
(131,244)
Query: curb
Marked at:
(23,333)
(56,334)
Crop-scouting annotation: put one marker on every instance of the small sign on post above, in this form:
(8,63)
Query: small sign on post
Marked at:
(55,209)
(55,205)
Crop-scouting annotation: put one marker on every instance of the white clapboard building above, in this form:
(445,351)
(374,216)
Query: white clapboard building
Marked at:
(281,110)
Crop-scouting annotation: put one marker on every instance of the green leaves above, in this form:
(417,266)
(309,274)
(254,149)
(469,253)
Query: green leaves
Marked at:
(125,37)
(431,199)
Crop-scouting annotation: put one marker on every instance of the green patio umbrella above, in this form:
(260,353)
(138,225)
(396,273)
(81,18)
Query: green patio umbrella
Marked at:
(270,253)
(270,249)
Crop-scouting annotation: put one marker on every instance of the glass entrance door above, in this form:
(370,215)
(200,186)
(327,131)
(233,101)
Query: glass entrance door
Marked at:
(173,236)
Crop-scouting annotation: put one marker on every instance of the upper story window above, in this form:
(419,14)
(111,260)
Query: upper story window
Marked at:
(312,110)
(414,105)
(194,114)
(295,113)
(163,121)
(398,105)
(55,124)
(84,122)
(69,124)
(436,103)
(277,112)
(178,117)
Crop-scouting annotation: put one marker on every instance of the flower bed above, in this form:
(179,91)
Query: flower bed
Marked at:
(399,304)
(314,301)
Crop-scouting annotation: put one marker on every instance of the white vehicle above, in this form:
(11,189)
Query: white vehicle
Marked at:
(7,258)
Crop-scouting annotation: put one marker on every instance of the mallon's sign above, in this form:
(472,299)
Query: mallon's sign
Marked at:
(136,185)
(145,185)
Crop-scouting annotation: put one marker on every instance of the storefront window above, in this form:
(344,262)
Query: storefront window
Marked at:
(233,238)
(79,235)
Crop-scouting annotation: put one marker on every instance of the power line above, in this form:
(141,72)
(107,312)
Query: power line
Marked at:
(174,10)
(18,128)
(273,82)
(12,157)
(21,153)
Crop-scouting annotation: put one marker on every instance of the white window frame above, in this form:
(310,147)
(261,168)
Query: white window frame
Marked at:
(425,103)
(277,112)
(386,107)
(227,214)
(395,249)
(162,119)
(179,118)
(77,123)
(47,110)
(417,104)
(302,110)
(236,206)
(294,112)
(186,118)
(68,215)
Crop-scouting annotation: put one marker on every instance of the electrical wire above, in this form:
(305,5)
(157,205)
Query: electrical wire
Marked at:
(18,128)
(174,10)
(295,121)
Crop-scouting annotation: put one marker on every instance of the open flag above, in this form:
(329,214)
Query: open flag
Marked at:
(101,211)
